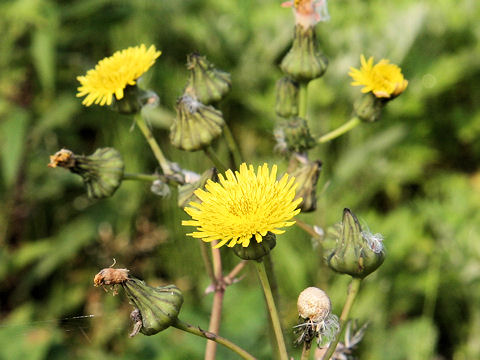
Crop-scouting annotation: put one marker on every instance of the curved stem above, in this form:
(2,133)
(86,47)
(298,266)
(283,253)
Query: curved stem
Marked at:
(216,315)
(353,289)
(277,328)
(349,125)
(216,161)
(162,160)
(140,177)
(210,336)
(303,100)
(232,146)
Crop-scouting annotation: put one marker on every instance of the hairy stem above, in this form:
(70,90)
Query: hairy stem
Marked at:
(272,309)
(353,289)
(195,330)
(349,125)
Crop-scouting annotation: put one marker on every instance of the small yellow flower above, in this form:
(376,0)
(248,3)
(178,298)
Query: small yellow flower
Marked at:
(384,80)
(112,74)
(243,205)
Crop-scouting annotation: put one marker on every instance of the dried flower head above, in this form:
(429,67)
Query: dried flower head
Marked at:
(62,158)
(113,74)
(110,276)
(243,206)
(308,12)
(383,79)
(314,304)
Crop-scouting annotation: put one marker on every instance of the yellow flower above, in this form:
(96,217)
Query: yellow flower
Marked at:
(243,205)
(112,74)
(385,80)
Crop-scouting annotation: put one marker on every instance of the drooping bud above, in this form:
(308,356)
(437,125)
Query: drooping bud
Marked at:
(304,61)
(357,252)
(315,318)
(306,176)
(102,172)
(287,97)
(206,83)
(368,107)
(294,134)
(256,250)
(186,192)
(196,125)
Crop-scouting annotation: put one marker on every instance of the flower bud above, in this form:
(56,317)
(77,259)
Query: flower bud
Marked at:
(206,83)
(186,192)
(368,107)
(287,97)
(306,176)
(158,306)
(102,172)
(294,134)
(315,317)
(256,250)
(133,100)
(196,125)
(304,62)
(357,253)
(160,187)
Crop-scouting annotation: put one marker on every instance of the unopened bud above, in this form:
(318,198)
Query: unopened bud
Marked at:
(133,100)
(357,253)
(256,250)
(304,62)
(206,83)
(287,97)
(294,134)
(368,107)
(196,125)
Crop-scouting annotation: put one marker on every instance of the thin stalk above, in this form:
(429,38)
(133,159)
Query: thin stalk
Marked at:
(272,309)
(230,278)
(353,289)
(308,229)
(216,315)
(303,100)
(140,177)
(232,146)
(210,336)
(349,125)
(215,160)
(306,351)
(162,160)
(206,260)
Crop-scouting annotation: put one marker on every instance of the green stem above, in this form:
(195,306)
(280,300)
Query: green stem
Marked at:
(306,350)
(140,177)
(353,289)
(272,309)
(308,229)
(303,100)
(232,146)
(162,160)
(349,125)
(216,161)
(210,336)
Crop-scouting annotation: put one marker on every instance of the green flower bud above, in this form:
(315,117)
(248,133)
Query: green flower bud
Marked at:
(357,253)
(287,97)
(206,83)
(256,250)
(102,172)
(368,108)
(294,135)
(304,62)
(186,192)
(133,100)
(196,124)
(158,307)
(306,176)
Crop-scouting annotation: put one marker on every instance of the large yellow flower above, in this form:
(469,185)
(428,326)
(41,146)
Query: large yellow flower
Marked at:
(112,74)
(243,205)
(384,80)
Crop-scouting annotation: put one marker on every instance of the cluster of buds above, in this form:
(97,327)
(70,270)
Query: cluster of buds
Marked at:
(102,172)
(156,308)
(197,123)
(357,253)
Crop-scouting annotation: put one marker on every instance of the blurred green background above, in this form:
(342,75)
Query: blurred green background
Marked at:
(414,176)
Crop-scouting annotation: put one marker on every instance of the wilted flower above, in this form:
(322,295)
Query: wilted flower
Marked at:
(357,252)
(113,74)
(315,318)
(308,12)
(306,176)
(243,207)
(383,79)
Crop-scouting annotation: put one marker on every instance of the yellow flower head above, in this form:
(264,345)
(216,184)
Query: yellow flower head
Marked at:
(243,205)
(112,74)
(385,80)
